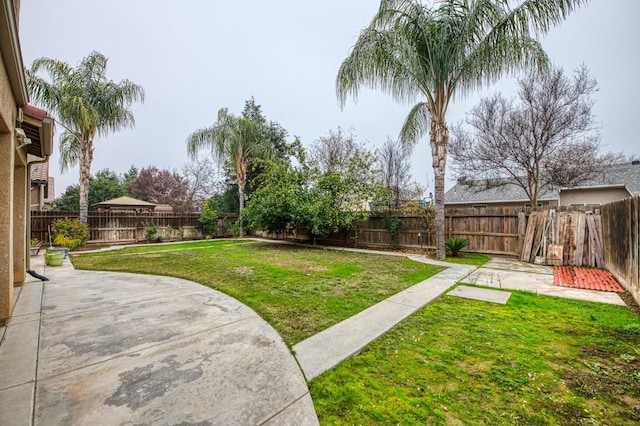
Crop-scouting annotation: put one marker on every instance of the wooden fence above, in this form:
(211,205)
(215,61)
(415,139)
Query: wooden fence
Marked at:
(489,230)
(621,243)
(130,227)
(564,238)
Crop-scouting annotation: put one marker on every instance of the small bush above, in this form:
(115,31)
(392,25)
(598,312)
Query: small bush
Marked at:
(234,229)
(70,233)
(151,232)
(454,245)
(209,216)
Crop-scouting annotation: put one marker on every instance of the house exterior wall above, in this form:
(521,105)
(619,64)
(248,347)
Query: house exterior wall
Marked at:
(592,196)
(510,204)
(8,112)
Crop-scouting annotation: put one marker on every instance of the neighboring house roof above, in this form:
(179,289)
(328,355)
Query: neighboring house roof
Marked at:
(39,171)
(616,175)
(478,192)
(125,202)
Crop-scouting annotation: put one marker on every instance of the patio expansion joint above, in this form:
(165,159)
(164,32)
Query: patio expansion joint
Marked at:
(285,408)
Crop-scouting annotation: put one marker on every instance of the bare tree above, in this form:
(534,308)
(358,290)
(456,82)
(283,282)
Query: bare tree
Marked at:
(395,169)
(546,138)
(332,151)
(204,180)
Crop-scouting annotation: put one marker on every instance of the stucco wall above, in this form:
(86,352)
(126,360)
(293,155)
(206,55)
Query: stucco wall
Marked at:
(7,158)
(510,204)
(595,196)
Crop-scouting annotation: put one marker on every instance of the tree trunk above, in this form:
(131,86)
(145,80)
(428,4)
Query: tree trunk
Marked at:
(439,140)
(86,157)
(241,176)
(241,202)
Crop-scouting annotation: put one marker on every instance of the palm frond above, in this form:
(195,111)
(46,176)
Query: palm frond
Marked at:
(416,124)
(69,151)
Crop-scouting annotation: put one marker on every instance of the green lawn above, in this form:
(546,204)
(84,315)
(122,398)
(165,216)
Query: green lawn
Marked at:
(465,258)
(536,361)
(299,291)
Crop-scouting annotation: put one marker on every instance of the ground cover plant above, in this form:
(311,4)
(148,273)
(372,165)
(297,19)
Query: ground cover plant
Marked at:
(536,361)
(299,291)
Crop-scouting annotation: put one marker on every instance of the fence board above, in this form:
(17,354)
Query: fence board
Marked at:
(621,248)
(129,227)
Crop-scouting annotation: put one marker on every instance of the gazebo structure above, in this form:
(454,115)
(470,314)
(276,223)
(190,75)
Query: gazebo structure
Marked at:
(125,204)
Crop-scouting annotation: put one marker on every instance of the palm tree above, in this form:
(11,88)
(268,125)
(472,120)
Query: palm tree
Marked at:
(234,142)
(433,53)
(86,104)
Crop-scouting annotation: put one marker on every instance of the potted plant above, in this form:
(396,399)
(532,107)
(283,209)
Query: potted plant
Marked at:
(34,246)
(54,258)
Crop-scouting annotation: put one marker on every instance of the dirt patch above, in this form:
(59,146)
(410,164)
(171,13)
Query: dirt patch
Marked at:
(243,270)
(630,301)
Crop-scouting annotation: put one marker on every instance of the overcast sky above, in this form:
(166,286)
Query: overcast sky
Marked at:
(194,57)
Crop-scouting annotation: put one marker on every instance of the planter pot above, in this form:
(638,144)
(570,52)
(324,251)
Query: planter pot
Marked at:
(54,258)
(34,251)
(62,250)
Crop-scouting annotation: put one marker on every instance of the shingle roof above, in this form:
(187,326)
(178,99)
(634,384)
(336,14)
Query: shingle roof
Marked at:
(626,174)
(125,201)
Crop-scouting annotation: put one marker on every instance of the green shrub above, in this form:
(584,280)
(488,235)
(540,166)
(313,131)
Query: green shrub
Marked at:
(151,232)
(234,229)
(69,233)
(209,217)
(70,243)
(454,245)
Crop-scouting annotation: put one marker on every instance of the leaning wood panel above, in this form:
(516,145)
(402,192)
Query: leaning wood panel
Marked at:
(620,229)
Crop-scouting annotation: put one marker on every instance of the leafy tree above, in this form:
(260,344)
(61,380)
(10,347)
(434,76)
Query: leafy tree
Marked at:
(209,216)
(161,187)
(444,49)
(129,177)
(105,185)
(272,134)
(277,198)
(546,138)
(323,201)
(69,201)
(86,105)
(234,142)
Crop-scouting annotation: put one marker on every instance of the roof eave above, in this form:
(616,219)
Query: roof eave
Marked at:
(11,52)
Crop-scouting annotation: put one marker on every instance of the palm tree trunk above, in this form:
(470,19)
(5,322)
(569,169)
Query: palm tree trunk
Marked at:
(86,156)
(241,184)
(439,140)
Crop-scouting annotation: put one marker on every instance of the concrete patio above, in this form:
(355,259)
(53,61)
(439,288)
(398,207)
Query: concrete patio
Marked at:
(110,348)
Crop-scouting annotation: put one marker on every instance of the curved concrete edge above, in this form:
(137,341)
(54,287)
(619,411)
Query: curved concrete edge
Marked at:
(143,349)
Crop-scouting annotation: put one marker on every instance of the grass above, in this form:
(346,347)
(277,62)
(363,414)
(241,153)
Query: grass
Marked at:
(299,291)
(536,361)
(465,258)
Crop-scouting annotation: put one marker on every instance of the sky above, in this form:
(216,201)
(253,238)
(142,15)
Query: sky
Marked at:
(194,57)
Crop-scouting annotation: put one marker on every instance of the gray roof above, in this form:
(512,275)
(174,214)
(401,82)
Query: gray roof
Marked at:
(626,174)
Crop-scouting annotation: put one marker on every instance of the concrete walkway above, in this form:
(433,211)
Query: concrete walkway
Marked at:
(512,274)
(104,348)
(328,348)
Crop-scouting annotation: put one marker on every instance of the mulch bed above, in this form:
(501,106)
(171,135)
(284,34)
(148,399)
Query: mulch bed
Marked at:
(585,278)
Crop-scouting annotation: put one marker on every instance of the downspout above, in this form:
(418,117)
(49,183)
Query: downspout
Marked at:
(47,143)
(28,212)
